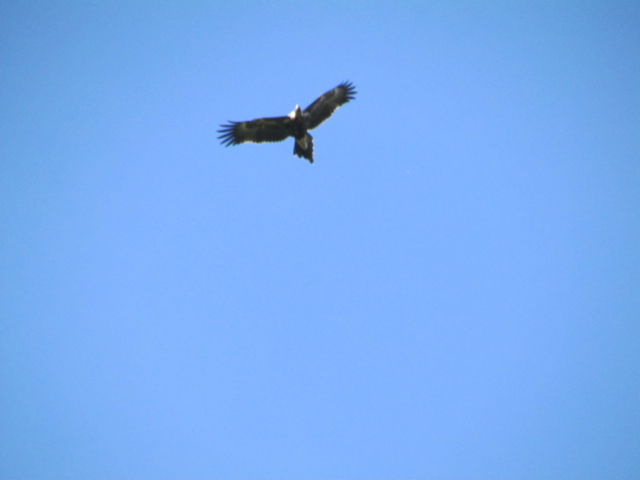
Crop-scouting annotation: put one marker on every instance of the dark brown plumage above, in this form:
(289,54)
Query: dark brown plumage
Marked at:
(296,124)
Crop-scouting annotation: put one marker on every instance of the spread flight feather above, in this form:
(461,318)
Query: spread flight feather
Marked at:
(296,124)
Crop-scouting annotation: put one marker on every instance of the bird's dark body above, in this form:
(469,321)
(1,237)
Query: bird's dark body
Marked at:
(296,124)
(298,128)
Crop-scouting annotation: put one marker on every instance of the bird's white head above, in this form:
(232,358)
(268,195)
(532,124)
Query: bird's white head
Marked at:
(297,113)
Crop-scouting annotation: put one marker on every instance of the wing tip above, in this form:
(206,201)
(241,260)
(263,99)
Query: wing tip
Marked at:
(228,134)
(350,90)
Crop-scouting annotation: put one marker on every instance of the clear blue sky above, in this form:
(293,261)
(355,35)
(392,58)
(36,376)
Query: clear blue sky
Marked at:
(452,289)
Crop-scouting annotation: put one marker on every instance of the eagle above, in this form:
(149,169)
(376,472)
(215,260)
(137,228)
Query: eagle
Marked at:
(296,124)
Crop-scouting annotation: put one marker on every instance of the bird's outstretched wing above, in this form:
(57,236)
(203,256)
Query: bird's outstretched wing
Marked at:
(273,129)
(327,103)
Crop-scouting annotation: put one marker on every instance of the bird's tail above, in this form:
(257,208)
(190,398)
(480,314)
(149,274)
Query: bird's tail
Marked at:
(304,147)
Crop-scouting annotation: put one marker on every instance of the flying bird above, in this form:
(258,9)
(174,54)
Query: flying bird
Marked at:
(296,124)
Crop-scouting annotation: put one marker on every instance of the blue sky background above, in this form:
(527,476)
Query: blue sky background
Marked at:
(452,290)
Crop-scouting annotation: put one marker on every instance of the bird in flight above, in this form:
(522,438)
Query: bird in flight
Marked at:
(296,124)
